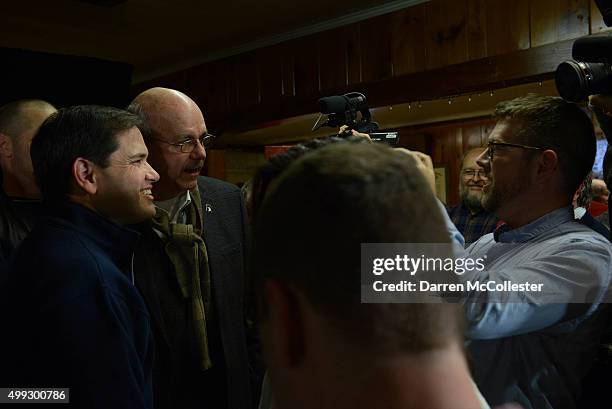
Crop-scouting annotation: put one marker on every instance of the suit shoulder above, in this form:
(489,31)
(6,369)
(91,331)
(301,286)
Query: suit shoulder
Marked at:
(212,186)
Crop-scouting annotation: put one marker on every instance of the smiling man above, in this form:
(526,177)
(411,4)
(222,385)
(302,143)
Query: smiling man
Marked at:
(76,318)
(190,266)
(534,348)
(469,216)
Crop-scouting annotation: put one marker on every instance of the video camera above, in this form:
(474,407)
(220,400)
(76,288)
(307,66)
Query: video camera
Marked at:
(590,71)
(351,110)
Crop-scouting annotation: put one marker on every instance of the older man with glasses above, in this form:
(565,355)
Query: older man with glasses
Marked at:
(190,266)
(469,216)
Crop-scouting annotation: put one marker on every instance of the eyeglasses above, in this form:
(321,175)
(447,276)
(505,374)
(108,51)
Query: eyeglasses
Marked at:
(492,146)
(471,173)
(189,145)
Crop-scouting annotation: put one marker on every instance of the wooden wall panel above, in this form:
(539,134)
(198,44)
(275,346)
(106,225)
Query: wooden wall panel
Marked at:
(306,66)
(333,58)
(476,29)
(270,69)
(558,20)
(445,33)
(219,87)
(507,26)
(407,45)
(196,86)
(352,35)
(288,70)
(375,48)
(247,80)
(475,45)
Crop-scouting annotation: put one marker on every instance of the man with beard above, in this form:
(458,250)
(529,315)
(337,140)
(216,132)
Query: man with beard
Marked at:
(469,216)
(190,265)
(528,346)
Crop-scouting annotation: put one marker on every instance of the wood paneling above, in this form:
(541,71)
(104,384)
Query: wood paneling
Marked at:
(433,50)
(445,33)
(270,68)
(476,29)
(306,66)
(507,26)
(333,64)
(407,45)
(558,20)
(247,80)
(375,49)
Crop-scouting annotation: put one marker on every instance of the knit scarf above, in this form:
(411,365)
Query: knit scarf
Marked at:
(186,250)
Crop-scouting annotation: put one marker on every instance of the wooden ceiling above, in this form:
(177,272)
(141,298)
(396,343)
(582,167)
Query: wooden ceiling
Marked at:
(156,36)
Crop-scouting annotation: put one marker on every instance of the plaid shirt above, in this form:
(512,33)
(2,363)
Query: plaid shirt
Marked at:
(472,226)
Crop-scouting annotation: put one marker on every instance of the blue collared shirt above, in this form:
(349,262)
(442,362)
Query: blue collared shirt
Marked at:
(534,348)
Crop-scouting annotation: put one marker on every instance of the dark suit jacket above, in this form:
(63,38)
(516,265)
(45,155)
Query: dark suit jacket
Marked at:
(178,383)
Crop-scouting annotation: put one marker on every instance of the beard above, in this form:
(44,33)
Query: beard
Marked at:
(471,200)
(496,195)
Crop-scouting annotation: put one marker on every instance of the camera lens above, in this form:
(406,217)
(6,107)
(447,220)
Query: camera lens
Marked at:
(576,80)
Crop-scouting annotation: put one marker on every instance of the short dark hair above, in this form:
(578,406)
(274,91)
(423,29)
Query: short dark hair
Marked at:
(556,124)
(268,172)
(86,131)
(309,231)
(13,122)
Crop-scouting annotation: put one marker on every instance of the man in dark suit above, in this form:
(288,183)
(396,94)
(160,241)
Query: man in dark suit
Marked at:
(190,266)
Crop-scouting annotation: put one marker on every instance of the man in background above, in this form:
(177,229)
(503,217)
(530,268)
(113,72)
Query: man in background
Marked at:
(469,216)
(19,197)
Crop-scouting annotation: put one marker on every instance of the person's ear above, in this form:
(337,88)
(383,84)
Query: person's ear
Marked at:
(6,146)
(83,173)
(548,163)
(285,325)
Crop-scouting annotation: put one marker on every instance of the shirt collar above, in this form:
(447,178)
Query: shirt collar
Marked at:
(537,227)
(175,206)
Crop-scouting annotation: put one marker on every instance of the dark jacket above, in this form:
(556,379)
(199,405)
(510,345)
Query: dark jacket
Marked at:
(17,218)
(72,315)
(178,382)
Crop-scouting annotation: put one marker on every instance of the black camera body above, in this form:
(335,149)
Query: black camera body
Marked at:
(351,110)
(590,71)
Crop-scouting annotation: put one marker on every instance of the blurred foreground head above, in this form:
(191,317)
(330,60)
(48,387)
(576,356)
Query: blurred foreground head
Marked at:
(318,337)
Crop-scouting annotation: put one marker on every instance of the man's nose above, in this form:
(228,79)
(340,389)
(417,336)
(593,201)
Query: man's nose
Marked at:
(198,152)
(152,174)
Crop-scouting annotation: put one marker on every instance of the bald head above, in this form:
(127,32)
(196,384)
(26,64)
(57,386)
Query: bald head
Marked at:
(174,119)
(164,108)
(19,117)
(19,122)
